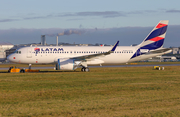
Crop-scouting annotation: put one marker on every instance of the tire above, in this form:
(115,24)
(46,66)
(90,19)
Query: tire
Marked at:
(22,71)
(85,69)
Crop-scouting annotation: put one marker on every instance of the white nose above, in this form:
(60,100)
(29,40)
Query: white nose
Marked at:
(8,57)
(11,58)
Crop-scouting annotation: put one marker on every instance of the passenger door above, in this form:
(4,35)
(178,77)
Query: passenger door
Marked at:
(29,52)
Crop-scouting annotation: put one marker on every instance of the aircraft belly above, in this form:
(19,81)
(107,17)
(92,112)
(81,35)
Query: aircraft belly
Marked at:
(115,59)
(95,62)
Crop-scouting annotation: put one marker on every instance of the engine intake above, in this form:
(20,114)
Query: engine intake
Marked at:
(66,64)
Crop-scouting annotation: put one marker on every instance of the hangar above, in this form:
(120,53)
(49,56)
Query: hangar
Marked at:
(3,47)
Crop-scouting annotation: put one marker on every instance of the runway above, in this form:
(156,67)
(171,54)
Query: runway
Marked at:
(145,65)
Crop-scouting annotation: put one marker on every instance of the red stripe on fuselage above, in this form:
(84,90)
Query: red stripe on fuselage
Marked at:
(156,39)
(160,25)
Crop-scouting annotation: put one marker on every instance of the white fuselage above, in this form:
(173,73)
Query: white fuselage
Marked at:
(50,54)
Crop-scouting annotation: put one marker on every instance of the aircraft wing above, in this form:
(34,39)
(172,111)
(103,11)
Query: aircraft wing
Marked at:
(92,56)
(162,50)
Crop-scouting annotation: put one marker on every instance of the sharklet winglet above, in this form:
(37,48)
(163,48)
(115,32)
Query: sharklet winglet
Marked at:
(114,47)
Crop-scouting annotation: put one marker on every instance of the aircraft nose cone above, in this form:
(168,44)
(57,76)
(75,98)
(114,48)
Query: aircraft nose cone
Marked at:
(11,58)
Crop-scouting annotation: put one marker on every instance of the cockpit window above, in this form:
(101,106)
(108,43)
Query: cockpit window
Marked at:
(18,52)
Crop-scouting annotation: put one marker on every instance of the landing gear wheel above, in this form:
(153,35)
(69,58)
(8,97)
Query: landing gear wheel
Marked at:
(85,69)
(22,71)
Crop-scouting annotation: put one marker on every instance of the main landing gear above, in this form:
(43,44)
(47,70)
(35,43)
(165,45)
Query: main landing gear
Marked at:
(85,69)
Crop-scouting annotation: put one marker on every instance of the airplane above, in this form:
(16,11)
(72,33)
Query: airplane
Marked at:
(72,57)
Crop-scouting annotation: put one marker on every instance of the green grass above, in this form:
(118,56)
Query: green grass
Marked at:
(127,91)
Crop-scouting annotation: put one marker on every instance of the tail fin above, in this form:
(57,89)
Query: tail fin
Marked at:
(156,37)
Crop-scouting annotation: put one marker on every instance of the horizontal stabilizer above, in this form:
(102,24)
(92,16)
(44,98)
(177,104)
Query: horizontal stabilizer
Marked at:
(162,50)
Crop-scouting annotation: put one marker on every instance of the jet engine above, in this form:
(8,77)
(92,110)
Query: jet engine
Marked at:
(66,64)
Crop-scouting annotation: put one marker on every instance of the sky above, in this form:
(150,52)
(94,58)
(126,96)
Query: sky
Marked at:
(85,21)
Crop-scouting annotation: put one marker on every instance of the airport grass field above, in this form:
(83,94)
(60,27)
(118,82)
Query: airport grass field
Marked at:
(103,92)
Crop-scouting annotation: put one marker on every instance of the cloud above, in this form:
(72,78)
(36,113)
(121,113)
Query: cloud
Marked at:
(75,19)
(104,14)
(62,32)
(173,11)
(141,12)
(8,20)
(126,35)
(82,15)
(39,17)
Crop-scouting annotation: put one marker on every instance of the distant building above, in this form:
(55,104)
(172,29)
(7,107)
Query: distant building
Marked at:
(175,50)
(43,40)
(169,57)
(3,47)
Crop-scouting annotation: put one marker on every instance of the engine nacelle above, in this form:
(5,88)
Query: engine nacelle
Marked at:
(66,64)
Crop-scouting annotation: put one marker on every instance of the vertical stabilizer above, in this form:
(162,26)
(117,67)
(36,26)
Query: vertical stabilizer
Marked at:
(154,40)
(156,37)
